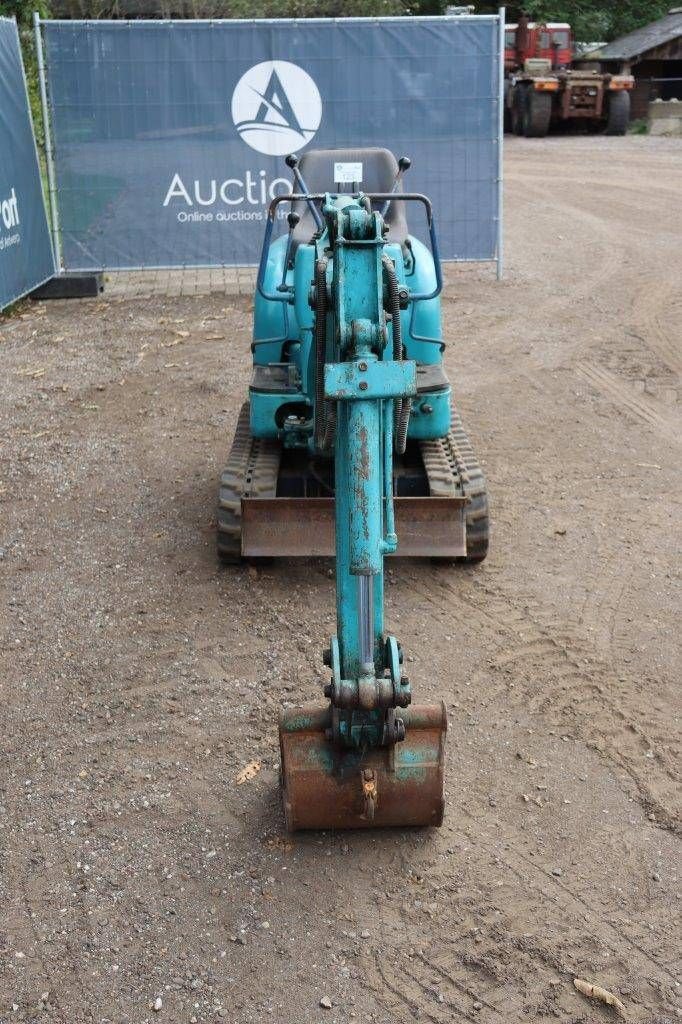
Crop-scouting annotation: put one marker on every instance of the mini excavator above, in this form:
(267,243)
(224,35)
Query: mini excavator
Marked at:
(350,446)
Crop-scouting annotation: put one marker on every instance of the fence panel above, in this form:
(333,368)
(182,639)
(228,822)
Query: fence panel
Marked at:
(169,137)
(26,259)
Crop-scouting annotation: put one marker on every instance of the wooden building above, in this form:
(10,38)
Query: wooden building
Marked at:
(653,54)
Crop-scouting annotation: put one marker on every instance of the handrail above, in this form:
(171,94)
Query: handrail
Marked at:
(375,196)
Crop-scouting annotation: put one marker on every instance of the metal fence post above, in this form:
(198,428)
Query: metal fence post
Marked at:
(49,158)
(500,147)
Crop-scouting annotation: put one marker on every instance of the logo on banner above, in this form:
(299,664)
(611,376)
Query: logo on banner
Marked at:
(276,107)
(9,221)
(9,210)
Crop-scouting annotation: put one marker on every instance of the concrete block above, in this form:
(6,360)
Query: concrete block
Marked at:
(665,117)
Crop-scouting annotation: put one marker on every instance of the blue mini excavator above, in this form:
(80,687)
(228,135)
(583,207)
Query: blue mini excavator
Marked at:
(350,446)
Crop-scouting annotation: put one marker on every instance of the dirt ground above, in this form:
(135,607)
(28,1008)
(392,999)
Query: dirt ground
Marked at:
(138,678)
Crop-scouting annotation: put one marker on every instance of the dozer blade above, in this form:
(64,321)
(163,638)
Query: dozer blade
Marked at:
(326,787)
(304,527)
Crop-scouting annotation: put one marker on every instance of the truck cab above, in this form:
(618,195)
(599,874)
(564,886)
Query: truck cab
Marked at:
(542,88)
(532,40)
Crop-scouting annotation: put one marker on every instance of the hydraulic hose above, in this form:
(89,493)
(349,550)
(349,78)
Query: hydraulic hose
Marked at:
(325,418)
(329,426)
(401,406)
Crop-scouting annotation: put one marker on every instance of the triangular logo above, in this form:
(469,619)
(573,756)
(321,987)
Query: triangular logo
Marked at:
(275,107)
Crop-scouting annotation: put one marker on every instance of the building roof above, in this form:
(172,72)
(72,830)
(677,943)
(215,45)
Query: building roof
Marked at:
(642,39)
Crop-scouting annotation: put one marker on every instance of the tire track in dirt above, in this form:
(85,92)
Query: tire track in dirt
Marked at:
(502,847)
(412,985)
(553,889)
(579,694)
(444,967)
(469,971)
(562,902)
(657,312)
(555,303)
(654,300)
(623,397)
(606,612)
(600,605)
(563,678)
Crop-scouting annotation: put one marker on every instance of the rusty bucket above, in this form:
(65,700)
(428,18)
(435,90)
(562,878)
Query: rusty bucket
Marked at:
(328,787)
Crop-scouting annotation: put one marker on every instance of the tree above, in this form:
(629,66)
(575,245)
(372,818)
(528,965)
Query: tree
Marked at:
(591,20)
(23,10)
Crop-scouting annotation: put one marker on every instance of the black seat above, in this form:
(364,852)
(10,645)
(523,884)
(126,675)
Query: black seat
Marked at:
(379,168)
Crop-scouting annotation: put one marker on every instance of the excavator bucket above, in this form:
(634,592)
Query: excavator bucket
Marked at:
(328,787)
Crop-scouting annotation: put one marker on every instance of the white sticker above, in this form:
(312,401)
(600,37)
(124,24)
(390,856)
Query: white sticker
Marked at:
(345,174)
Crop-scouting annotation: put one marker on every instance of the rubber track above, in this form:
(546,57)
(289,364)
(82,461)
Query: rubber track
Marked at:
(251,471)
(453,469)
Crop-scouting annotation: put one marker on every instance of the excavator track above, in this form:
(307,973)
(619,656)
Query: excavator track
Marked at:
(251,471)
(453,469)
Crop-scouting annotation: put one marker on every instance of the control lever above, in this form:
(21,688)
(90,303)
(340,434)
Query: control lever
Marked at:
(404,164)
(292,221)
(292,162)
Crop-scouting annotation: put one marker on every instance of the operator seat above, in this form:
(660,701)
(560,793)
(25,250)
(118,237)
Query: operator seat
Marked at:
(379,169)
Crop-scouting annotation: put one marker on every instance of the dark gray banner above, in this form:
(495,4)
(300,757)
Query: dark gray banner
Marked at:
(170,137)
(25,248)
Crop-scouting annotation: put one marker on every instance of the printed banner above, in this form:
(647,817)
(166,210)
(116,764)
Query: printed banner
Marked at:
(170,137)
(26,259)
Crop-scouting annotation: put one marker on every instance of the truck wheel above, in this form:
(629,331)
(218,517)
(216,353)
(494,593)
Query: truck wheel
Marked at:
(537,111)
(518,100)
(618,116)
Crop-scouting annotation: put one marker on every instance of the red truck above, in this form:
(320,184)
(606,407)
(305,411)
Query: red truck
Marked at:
(542,88)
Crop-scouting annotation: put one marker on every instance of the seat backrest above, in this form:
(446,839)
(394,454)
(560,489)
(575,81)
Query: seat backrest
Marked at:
(379,169)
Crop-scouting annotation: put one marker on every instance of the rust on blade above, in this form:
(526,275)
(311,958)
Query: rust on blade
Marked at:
(326,787)
(304,527)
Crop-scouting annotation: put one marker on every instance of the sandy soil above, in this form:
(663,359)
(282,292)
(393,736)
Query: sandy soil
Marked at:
(138,678)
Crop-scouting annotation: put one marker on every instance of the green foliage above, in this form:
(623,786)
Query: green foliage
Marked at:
(293,8)
(31,68)
(591,20)
(23,10)
(234,8)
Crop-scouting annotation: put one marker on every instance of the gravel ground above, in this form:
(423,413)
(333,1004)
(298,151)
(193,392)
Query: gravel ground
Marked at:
(138,881)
